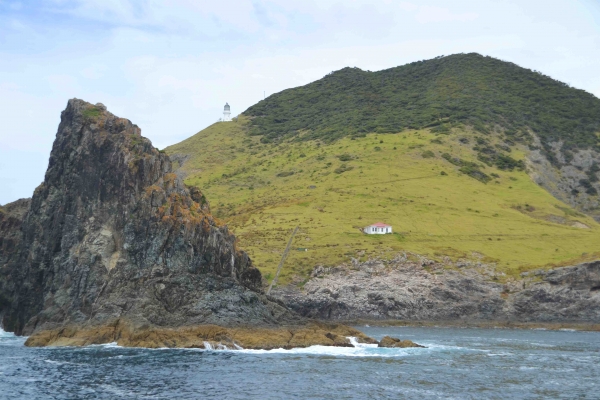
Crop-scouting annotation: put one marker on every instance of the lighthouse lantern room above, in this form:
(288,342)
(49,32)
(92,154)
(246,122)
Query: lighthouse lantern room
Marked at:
(226,113)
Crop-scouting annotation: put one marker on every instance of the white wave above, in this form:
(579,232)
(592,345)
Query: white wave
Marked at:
(336,351)
(59,362)
(354,342)
(358,349)
(111,345)
(4,334)
(499,354)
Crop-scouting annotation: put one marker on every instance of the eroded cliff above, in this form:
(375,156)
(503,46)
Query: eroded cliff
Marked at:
(410,288)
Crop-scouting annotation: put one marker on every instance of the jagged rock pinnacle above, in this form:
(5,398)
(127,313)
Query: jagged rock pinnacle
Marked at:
(112,233)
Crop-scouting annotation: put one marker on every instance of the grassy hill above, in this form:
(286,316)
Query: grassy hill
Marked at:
(461,90)
(441,199)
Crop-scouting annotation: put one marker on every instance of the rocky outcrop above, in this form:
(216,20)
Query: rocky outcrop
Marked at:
(113,235)
(388,341)
(572,177)
(204,336)
(423,290)
(568,294)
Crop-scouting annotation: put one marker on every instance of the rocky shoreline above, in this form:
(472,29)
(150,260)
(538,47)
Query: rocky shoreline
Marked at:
(413,289)
(548,326)
(126,334)
(114,247)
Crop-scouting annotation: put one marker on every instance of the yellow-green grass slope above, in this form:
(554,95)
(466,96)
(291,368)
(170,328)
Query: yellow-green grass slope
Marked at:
(400,179)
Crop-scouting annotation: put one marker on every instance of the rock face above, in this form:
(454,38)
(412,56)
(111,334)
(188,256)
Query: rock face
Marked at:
(113,234)
(426,291)
(574,181)
(11,218)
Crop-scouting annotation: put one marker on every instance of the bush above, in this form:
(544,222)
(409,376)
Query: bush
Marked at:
(286,173)
(469,168)
(343,168)
(589,189)
(458,90)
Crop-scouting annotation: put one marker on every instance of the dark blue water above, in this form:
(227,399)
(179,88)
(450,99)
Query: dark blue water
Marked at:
(459,363)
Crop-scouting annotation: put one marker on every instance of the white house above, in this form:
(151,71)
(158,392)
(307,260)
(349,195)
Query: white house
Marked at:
(378,228)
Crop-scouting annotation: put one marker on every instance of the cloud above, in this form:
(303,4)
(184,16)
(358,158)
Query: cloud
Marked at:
(170,66)
(428,14)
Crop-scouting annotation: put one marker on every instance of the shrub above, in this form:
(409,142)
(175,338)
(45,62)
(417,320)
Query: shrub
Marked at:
(92,112)
(285,173)
(343,168)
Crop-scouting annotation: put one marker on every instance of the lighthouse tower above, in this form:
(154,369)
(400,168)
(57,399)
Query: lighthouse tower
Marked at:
(226,113)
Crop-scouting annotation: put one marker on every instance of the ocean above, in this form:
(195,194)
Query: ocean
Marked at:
(464,363)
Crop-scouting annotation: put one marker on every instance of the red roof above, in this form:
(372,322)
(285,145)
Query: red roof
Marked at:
(380,225)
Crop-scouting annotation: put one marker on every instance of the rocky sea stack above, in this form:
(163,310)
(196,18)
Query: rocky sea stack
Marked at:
(113,244)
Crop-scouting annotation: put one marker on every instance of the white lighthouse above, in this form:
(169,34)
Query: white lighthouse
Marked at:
(226,113)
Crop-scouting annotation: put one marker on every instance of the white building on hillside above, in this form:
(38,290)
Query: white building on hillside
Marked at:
(227,113)
(378,228)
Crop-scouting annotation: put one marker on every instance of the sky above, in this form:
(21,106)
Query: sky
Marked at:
(169,66)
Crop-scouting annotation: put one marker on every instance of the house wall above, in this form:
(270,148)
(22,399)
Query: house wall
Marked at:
(373,230)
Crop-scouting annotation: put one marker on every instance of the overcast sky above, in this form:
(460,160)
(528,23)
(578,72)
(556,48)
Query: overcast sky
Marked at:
(170,66)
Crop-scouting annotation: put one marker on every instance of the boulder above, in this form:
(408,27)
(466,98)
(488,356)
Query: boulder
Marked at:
(389,341)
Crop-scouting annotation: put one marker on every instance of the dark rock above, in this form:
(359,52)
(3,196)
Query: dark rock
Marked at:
(11,218)
(112,234)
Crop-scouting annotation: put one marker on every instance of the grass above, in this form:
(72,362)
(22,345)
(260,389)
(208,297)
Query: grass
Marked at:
(331,190)
(91,112)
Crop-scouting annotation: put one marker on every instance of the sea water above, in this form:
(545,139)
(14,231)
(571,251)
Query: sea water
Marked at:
(457,364)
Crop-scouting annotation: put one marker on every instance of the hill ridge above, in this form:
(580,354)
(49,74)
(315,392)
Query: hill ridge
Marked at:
(468,89)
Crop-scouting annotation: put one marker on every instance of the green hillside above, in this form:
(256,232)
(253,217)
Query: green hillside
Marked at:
(441,200)
(447,92)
